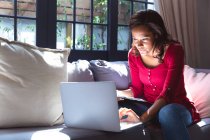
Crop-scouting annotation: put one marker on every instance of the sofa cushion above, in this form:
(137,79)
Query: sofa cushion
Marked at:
(29,84)
(198,90)
(79,71)
(116,71)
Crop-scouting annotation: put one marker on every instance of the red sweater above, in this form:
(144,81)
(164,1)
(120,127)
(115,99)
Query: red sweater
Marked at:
(164,81)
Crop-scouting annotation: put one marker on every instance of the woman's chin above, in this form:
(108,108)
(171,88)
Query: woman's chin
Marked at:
(143,52)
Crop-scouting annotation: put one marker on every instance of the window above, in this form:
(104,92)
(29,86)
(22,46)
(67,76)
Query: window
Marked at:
(125,9)
(88,26)
(18,20)
(82,25)
(93,29)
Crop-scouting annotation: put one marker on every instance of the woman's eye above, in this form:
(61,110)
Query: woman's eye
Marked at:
(145,39)
(135,40)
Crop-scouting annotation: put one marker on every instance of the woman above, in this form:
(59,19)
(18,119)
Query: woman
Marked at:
(156,66)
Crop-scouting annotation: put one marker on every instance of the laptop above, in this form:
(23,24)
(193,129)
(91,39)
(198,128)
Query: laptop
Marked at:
(92,105)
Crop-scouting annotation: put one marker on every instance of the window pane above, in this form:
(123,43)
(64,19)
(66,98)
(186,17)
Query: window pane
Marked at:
(65,10)
(123,42)
(83,10)
(124,12)
(151,6)
(6,28)
(99,37)
(26,8)
(7,7)
(64,35)
(151,1)
(26,31)
(138,6)
(83,37)
(100,11)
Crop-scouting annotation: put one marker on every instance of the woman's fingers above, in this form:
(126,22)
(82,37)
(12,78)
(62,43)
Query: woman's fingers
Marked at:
(128,115)
(122,112)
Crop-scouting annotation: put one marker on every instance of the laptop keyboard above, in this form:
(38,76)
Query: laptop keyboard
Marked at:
(126,125)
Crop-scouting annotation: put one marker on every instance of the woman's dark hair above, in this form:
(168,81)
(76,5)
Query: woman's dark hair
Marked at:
(154,22)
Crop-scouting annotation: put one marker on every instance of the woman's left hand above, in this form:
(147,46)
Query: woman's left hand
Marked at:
(128,115)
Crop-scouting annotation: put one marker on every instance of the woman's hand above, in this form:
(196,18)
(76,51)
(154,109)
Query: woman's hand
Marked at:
(128,115)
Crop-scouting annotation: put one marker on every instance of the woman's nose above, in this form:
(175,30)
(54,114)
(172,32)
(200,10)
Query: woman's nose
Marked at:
(139,43)
(139,46)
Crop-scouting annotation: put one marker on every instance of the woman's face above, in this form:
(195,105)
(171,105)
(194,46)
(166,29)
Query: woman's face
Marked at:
(143,40)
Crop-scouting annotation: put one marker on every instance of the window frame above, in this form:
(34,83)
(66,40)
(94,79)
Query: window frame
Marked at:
(46,20)
(15,17)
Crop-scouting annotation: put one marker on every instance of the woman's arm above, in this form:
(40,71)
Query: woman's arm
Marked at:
(175,65)
(131,116)
(152,111)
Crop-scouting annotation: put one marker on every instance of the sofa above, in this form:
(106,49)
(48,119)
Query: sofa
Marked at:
(30,104)
(196,84)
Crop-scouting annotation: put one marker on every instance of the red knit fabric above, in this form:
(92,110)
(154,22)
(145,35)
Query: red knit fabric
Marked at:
(164,81)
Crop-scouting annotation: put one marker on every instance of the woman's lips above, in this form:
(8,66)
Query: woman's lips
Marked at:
(142,51)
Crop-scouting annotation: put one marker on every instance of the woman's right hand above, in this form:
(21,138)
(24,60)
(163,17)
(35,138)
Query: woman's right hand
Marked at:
(128,115)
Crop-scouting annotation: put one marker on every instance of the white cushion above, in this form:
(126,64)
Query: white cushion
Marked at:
(198,90)
(79,71)
(29,84)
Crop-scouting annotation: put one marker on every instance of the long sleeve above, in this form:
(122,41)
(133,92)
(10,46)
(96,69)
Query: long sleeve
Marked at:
(164,81)
(175,64)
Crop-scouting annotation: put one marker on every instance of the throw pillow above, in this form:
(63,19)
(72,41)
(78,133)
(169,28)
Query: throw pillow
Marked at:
(198,90)
(116,71)
(79,71)
(29,84)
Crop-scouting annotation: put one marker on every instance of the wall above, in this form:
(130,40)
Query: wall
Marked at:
(204,32)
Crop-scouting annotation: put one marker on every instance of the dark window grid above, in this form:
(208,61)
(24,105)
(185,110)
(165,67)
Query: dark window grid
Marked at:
(74,9)
(15,20)
(132,5)
(74,22)
(91,52)
(142,1)
(74,19)
(78,22)
(125,25)
(132,12)
(91,26)
(132,8)
(87,23)
(16,17)
(15,9)
(14,14)
(111,53)
(146,2)
(23,2)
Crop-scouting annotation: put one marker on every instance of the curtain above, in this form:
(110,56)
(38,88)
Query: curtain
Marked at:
(180,17)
